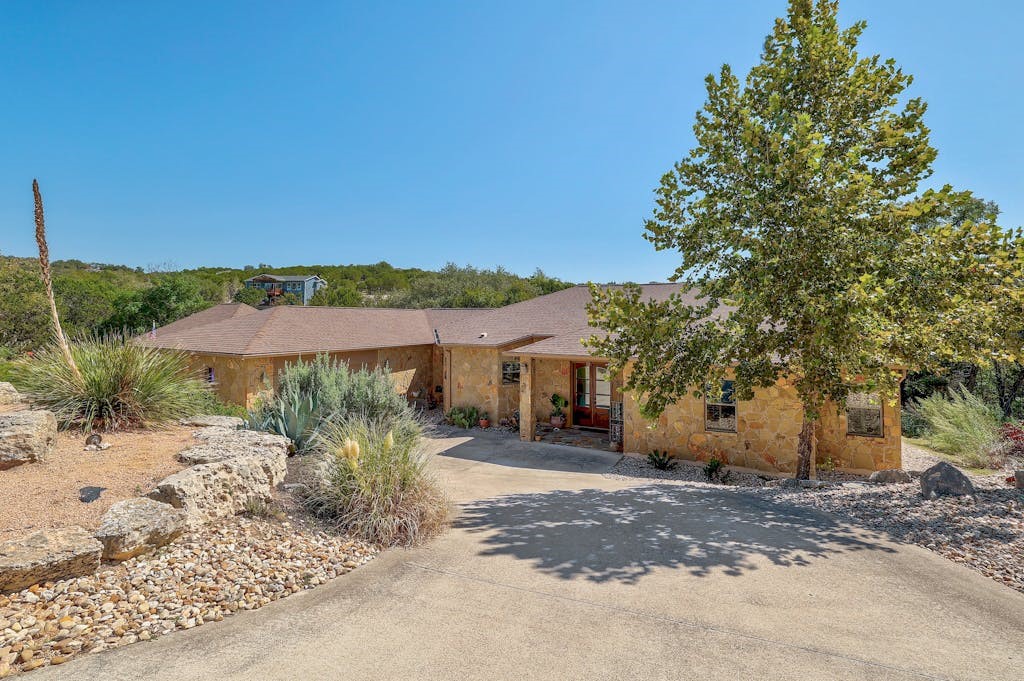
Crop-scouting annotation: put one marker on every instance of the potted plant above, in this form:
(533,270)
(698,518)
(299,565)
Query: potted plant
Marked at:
(558,413)
(485,421)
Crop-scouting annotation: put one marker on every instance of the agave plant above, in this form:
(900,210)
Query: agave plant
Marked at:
(293,414)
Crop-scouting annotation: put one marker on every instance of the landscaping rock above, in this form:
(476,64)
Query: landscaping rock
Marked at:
(48,555)
(26,437)
(135,526)
(943,479)
(220,444)
(216,490)
(205,420)
(9,395)
(890,477)
(91,493)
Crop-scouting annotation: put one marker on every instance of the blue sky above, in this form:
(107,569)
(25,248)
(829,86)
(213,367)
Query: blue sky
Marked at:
(523,134)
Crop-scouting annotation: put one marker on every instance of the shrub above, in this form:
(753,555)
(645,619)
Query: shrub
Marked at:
(373,482)
(912,423)
(123,384)
(715,471)
(463,417)
(962,426)
(663,461)
(209,403)
(310,395)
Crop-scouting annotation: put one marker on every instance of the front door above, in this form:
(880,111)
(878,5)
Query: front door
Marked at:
(592,395)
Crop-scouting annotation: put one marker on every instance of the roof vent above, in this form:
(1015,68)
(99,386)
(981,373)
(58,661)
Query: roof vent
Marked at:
(483,335)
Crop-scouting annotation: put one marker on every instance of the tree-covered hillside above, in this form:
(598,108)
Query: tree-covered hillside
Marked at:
(99,298)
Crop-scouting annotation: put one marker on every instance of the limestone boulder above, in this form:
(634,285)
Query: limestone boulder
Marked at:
(210,420)
(216,490)
(943,480)
(48,555)
(26,437)
(890,476)
(9,395)
(219,445)
(136,526)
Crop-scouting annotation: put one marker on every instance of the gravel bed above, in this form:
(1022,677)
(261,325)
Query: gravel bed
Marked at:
(630,467)
(242,564)
(986,534)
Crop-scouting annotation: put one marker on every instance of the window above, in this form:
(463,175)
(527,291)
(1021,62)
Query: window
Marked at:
(510,372)
(211,375)
(720,412)
(864,414)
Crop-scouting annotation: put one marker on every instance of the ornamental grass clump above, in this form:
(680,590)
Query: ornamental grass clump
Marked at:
(962,426)
(373,482)
(118,383)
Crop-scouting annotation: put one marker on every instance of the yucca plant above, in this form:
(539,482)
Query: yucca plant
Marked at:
(374,483)
(118,384)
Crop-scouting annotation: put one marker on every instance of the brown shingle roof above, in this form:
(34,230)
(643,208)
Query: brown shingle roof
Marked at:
(560,318)
(289,330)
(551,315)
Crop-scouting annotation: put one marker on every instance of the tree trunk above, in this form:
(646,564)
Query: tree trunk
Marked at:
(1009,384)
(805,449)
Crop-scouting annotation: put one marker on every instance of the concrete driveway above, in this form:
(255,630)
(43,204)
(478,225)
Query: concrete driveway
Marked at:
(565,574)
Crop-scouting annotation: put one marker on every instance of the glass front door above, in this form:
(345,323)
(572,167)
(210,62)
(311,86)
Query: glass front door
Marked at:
(592,395)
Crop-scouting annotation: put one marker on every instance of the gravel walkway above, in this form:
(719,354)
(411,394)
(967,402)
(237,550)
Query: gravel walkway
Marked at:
(241,564)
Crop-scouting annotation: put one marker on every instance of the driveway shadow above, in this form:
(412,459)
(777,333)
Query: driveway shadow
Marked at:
(605,536)
(502,449)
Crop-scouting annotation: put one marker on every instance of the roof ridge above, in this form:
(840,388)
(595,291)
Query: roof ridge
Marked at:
(262,327)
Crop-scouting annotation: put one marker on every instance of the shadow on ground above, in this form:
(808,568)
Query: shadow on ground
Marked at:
(623,535)
(506,449)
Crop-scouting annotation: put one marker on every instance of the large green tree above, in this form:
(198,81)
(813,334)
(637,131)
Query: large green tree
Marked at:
(799,217)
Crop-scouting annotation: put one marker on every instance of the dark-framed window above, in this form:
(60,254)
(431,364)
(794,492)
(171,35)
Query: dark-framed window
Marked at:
(211,375)
(720,411)
(510,372)
(864,415)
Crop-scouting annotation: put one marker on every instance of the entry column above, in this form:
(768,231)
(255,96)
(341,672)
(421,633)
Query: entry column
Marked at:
(527,420)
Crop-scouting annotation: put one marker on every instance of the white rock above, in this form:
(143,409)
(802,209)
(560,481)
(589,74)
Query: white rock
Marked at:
(209,420)
(135,526)
(26,437)
(48,555)
(215,490)
(9,395)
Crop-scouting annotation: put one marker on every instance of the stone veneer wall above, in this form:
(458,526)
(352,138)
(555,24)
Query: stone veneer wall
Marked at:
(240,380)
(475,381)
(550,376)
(767,431)
(857,452)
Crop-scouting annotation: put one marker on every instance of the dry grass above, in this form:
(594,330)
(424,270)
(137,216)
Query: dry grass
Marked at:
(45,495)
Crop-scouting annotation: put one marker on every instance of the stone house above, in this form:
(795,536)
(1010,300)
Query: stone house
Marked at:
(510,361)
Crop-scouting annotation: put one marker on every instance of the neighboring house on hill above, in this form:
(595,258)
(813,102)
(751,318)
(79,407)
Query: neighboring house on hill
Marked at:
(515,358)
(303,286)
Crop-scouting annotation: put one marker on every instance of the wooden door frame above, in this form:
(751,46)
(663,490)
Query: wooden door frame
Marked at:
(592,397)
